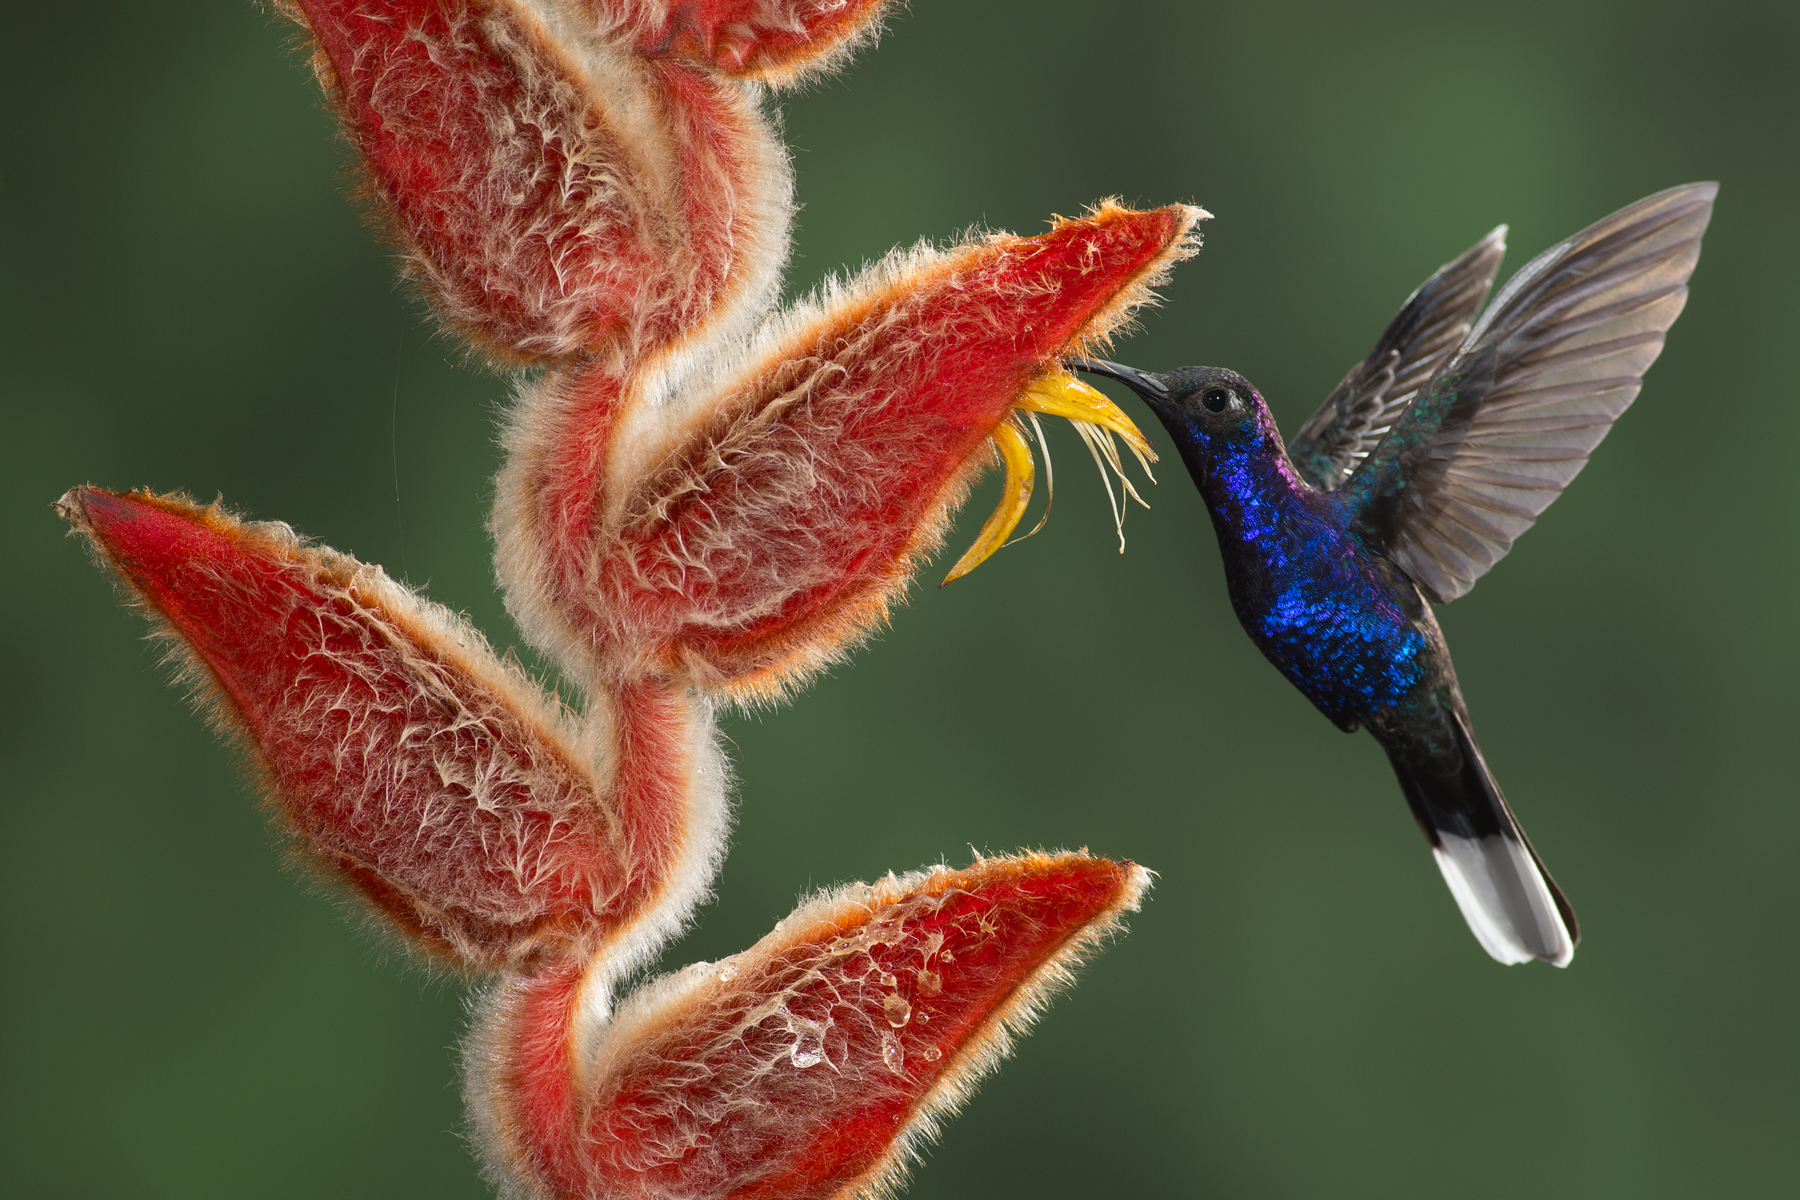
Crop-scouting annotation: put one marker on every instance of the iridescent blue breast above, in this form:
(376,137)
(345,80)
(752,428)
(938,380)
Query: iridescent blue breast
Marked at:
(1343,625)
(1338,634)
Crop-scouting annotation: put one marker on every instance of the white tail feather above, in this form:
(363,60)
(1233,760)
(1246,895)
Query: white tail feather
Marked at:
(1504,898)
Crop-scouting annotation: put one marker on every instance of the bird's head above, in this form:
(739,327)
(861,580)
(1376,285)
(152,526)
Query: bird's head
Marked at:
(1207,410)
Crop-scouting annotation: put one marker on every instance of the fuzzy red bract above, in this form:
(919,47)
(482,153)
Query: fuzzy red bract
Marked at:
(787,1070)
(403,756)
(788,521)
(775,39)
(549,214)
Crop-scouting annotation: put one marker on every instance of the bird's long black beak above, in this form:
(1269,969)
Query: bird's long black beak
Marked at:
(1150,387)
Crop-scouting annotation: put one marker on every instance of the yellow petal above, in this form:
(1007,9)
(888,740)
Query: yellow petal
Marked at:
(1014,496)
(1060,394)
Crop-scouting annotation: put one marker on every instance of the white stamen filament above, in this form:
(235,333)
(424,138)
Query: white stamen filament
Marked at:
(1105,452)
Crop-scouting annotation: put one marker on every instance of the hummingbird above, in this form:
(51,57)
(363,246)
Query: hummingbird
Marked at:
(1411,480)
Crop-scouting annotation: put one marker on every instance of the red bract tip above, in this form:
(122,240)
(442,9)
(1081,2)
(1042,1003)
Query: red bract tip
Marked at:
(812,1064)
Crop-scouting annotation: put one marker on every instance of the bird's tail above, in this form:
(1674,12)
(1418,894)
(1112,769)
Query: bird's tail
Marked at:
(1512,905)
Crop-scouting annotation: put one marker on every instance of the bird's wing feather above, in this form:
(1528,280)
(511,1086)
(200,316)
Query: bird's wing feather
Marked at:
(1429,327)
(1511,418)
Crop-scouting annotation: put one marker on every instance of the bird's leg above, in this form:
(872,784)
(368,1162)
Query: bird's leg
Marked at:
(702,502)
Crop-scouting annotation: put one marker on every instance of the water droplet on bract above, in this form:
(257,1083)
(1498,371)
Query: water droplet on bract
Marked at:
(892,1053)
(887,979)
(808,1049)
(930,983)
(728,972)
(899,1012)
(932,1054)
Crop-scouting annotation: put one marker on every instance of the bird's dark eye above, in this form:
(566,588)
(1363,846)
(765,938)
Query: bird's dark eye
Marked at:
(1216,399)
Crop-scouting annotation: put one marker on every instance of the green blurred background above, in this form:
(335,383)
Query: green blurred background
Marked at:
(190,302)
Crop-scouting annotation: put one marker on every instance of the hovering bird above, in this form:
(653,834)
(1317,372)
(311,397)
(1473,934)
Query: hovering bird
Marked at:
(1412,479)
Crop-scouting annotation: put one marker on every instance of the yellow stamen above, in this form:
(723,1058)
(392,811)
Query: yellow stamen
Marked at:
(1014,496)
(1096,419)
(1057,393)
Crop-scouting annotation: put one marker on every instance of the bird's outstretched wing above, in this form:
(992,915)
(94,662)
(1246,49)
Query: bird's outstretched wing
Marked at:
(1511,418)
(1429,327)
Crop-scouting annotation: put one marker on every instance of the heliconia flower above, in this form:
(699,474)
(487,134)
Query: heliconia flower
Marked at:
(704,501)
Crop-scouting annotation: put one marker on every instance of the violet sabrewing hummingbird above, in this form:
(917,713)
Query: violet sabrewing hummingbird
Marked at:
(1412,479)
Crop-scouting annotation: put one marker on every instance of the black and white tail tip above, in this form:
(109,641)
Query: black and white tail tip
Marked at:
(1513,907)
(1505,896)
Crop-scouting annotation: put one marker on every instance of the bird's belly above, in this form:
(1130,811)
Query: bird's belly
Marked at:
(1347,645)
